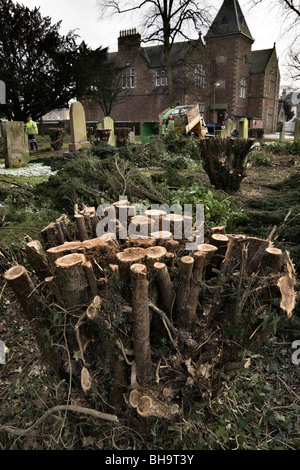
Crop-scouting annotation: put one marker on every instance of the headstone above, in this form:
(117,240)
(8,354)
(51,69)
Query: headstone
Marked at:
(229,127)
(243,128)
(108,123)
(297,131)
(16,148)
(131,137)
(78,128)
(282,132)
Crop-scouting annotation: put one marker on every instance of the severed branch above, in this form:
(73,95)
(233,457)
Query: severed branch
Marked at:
(74,408)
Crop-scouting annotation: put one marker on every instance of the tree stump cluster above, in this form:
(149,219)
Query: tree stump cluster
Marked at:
(143,324)
(224,161)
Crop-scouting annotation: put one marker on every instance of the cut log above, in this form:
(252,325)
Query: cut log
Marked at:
(61,250)
(134,398)
(71,274)
(186,264)
(140,242)
(49,235)
(172,246)
(174,223)
(93,309)
(126,259)
(62,222)
(37,259)
(141,324)
(55,289)
(91,277)
(156,217)
(86,380)
(139,225)
(201,259)
(165,286)
(272,259)
(81,227)
(35,312)
(153,255)
(101,252)
(162,237)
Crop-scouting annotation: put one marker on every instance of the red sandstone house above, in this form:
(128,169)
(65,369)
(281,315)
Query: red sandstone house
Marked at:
(222,75)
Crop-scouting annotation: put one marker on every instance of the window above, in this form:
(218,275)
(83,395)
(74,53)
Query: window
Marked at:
(201,109)
(224,21)
(243,87)
(128,78)
(200,76)
(272,82)
(161,78)
(270,116)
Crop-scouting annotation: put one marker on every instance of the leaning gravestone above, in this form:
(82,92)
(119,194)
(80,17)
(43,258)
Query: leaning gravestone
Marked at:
(107,123)
(78,128)
(229,127)
(282,133)
(15,144)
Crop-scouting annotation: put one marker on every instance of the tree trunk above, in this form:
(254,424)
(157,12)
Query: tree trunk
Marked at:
(141,322)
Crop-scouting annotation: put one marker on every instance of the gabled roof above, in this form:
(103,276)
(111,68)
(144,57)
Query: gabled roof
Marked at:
(155,57)
(260,60)
(230,20)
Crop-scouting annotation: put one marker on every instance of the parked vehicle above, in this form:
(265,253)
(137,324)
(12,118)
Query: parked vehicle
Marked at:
(214,127)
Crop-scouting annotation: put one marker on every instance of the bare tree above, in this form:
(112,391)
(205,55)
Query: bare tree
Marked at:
(164,21)
(289,11)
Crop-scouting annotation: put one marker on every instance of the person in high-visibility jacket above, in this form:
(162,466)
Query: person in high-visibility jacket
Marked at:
(32,131)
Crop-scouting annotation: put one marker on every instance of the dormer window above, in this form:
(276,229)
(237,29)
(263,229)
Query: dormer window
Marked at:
(128,78)
(224,21)
(161,78)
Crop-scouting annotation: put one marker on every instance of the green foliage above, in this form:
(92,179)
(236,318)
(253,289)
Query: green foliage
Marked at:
(260,158)
(88,179)
(42,70)
(287,148)
(218,210)
(256,133)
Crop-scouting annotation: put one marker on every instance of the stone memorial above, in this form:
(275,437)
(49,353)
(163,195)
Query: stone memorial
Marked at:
(243,128)
(16,148)
(108,124)
(229,127)
(282,132)
(79,138)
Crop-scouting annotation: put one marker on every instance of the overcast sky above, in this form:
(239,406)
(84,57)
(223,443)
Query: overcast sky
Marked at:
(265,23)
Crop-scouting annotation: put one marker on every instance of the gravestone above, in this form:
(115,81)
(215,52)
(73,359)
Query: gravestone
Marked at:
(16,148)
(229,127)
(108,123)
(297,131)
(282,132)
(243,128)
(78,128)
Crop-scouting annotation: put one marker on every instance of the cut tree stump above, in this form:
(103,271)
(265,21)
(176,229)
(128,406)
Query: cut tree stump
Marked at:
(224,161)
(144,323)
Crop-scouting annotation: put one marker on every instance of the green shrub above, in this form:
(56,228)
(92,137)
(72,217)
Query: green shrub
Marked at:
(256,133)
(260,159)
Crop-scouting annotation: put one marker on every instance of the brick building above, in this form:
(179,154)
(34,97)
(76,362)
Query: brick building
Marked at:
(222,74)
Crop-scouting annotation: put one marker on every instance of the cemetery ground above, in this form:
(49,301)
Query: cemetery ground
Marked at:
(256,408)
